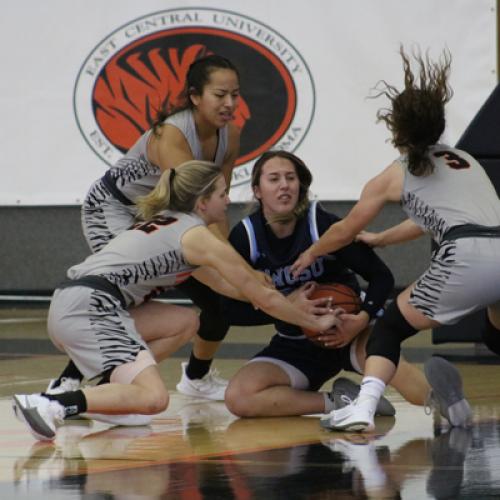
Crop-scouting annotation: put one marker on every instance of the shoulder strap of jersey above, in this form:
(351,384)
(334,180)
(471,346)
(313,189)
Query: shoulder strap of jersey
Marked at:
(313,223)
(252,240)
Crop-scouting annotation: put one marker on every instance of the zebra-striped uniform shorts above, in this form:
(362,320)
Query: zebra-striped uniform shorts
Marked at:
(463,277)
(93,328)
(104,216)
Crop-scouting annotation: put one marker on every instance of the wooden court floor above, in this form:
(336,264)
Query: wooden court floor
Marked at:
(198,450)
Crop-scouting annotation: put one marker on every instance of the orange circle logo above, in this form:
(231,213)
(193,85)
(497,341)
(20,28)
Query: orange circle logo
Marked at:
(132,71)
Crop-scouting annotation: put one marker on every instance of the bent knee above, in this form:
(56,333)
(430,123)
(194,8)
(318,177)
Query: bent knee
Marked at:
(238,400)
(156,402)
(191,325)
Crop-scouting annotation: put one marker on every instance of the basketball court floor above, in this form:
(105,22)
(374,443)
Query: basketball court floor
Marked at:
(198,450)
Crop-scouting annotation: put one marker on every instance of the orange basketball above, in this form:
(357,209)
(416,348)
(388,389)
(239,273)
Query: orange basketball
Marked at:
(341,295)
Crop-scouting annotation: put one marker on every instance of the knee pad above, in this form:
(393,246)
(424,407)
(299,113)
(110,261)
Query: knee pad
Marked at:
(388,333)
(490,335)
(126,373)
(213,326)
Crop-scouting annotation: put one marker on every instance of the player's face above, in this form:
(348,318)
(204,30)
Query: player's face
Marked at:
(279,187)
(213,208)
(218,101)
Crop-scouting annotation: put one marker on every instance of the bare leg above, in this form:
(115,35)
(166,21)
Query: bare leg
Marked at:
(164,327)
(263,389)
(443,377)
(408,380)
(382,368)
(411,383)
(146,394)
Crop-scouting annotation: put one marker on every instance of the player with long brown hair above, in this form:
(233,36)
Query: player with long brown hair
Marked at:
(446,193)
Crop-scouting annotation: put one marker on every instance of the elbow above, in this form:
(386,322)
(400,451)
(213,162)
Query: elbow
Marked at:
(346,239)
(344,234)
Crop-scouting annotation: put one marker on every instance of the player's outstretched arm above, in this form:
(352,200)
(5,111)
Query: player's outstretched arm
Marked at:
(378,191)
(405,231)
(202,248)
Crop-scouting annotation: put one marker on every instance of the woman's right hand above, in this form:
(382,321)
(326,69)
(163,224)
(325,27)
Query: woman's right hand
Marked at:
(301,298)
(305,259)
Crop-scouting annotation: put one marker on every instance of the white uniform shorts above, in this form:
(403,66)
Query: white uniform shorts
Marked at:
(463,277)
(93,328)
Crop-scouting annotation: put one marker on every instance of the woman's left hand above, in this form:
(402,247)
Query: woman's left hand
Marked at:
(351,326)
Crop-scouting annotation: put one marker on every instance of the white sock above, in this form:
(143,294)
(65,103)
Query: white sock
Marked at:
(372,389)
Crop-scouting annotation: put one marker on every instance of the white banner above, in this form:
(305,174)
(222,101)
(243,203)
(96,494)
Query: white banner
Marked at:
(76,75)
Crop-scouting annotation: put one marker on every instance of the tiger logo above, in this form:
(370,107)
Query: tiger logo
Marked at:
(133,87)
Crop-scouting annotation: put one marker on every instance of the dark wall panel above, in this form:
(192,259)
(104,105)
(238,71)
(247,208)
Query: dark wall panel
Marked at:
(40,243)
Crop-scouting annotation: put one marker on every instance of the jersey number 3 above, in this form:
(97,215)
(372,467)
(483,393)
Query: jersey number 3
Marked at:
(453,160)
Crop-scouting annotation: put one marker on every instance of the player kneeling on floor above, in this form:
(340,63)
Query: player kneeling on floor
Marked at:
(103,319)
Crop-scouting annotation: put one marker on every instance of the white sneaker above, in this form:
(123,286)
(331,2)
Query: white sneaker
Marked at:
(354,417)
(129,420)
(211,386)
(39,413)
(67,385)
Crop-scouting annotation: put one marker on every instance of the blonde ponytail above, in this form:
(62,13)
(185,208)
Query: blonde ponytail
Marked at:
(178,189)
(158,199)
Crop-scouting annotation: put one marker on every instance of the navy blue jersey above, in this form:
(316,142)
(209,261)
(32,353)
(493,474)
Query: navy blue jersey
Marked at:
(254,240)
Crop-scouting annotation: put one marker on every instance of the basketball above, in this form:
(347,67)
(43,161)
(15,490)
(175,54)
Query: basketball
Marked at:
(341,295)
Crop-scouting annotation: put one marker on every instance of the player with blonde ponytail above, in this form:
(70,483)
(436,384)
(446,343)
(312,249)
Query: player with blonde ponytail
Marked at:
(104,320)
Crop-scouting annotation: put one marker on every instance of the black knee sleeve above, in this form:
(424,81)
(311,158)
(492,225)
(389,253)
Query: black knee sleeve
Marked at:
(213,323)
(213,326)
(490,335)
(388,333)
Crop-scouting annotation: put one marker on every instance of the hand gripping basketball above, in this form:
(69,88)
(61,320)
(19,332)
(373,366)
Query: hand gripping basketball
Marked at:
(341,296)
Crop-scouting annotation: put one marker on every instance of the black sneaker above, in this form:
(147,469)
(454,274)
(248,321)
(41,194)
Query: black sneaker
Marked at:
(345,391)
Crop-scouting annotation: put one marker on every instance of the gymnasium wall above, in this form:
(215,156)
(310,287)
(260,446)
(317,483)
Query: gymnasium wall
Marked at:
(77,91)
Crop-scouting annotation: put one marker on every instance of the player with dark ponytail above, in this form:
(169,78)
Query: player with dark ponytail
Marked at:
(198,126)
